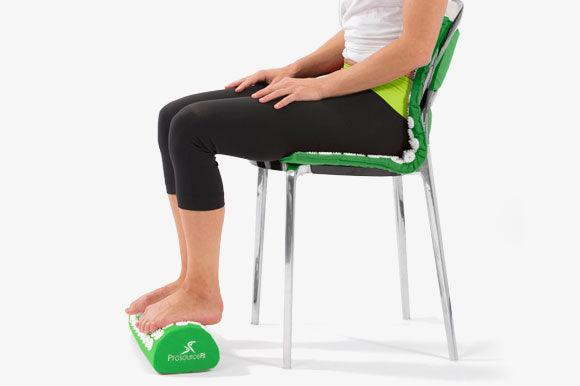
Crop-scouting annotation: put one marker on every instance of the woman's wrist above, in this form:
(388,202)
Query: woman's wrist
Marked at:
(325,85)
(293,69)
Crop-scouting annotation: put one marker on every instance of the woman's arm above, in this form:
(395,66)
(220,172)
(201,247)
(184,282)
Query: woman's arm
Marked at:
(421,25)
(326,59)
(413,49)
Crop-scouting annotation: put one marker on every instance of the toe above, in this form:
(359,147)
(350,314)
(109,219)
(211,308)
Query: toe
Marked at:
(144,315)
(138,305)
(157,323)
(135,307)
(146,310)
(142,325)
(148,327)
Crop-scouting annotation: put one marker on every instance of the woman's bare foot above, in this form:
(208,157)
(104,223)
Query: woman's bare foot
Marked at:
(141,304)
(182,305)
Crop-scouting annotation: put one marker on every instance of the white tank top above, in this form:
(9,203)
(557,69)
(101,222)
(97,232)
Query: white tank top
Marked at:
(369,25)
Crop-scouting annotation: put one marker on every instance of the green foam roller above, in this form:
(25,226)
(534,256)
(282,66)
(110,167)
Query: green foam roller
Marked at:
(181,347)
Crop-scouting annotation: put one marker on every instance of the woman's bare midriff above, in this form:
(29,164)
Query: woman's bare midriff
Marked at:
(352,62)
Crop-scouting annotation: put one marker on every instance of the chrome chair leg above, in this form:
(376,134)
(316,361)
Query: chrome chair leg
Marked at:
(402,245)
(259,241)
(427,175)
(291,178)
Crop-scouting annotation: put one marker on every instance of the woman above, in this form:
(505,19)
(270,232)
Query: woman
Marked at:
(276,112)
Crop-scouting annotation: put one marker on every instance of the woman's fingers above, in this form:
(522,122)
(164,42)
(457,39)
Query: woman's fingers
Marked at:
(235,83)
(242,85)
(243,82)
(268,89)
(294,89)
(262,92)
(285,101)
(248,82)
(252,79)
(274,94)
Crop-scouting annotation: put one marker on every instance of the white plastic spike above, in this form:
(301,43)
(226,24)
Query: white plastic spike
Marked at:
(411,122)
(157,334)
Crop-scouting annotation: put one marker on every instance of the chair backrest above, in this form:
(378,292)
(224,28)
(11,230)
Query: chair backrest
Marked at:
(424,87)
(435,71)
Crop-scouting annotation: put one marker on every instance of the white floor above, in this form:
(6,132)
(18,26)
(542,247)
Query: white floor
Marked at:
(85,226)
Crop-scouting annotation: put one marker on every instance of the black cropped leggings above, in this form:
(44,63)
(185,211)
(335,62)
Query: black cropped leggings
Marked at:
(193,129)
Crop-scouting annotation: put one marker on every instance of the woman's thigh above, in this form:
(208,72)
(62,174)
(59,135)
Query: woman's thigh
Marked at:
(243,127)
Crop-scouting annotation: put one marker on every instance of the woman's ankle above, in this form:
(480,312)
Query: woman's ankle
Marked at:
(202,292)
(180,280)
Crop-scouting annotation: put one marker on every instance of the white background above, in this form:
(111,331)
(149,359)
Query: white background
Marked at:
(86,227)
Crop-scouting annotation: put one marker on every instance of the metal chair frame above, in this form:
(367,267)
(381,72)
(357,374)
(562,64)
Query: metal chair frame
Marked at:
(426,173)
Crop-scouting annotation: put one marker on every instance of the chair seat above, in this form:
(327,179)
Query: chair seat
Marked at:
(360,161)
(343,170)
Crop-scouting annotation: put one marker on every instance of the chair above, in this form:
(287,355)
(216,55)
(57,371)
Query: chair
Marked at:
(432,76)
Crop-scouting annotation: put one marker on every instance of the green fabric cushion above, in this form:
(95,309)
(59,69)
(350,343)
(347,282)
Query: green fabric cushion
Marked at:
(408,162)
(443,66)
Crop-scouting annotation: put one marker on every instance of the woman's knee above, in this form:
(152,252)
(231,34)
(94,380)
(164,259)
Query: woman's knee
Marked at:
(187,131)
(166,114)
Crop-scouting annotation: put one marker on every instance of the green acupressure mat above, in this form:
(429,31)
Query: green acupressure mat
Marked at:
(412,158)
(182,347)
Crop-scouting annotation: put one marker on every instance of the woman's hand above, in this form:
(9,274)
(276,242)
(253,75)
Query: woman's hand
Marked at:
(295,89)
(271,76)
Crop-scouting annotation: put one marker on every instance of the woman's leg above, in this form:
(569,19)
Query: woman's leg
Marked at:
(141,303)
(165,116)
(199,298)
(244,127)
